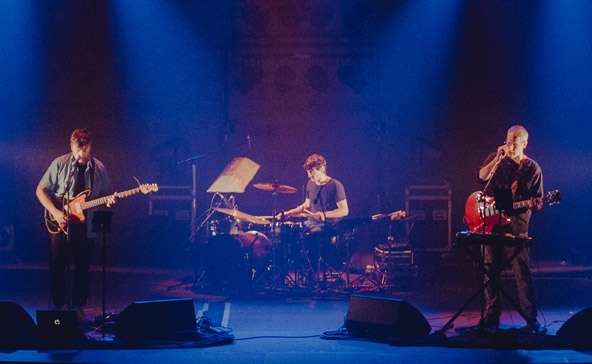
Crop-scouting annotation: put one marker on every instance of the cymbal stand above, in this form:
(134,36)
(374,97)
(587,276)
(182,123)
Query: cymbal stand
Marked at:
(275,275)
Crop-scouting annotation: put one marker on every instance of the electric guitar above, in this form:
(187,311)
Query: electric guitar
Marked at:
(74,208)
(481,214)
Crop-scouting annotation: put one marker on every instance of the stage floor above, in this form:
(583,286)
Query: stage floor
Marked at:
(256,320)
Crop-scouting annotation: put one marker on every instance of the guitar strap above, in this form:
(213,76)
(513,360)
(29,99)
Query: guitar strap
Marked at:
(92,176)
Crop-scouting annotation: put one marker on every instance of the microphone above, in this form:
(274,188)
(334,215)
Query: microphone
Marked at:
(501,152)
(249,142)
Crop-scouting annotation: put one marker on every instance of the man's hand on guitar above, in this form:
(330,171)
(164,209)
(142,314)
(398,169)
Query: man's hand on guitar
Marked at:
(111,200)
(59,216)
(537,204)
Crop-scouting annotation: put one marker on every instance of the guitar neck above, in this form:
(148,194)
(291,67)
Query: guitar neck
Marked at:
(528,203)
(521,204)
(103,200)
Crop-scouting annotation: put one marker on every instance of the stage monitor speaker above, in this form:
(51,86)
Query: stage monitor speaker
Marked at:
(576,330)
(17,328)
(157,320)
(59,327)
(385,319)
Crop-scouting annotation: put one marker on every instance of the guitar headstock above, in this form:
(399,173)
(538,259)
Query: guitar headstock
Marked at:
(553,197)
(147,188)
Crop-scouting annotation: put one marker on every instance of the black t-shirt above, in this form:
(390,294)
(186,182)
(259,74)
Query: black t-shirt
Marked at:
(515,182)
(325,197)
(80,180)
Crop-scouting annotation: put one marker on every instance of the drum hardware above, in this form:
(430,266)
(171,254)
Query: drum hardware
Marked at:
(244,251)
(390,260)
(282,270)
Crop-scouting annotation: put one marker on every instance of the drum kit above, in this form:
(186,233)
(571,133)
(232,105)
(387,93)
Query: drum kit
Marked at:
(244,253)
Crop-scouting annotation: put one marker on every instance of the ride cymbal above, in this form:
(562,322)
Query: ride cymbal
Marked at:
(275,187)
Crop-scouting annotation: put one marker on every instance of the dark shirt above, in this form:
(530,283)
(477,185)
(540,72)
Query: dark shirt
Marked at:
(80,182)
(325,197)
(515,182)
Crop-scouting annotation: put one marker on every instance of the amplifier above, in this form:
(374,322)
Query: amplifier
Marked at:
(430,207)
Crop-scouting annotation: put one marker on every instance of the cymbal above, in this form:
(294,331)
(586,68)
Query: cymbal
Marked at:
(274,187)
(243,216)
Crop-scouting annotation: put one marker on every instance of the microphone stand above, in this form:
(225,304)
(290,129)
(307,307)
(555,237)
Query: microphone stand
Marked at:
(482,200)
(68,196)
(322,263)
(492,171)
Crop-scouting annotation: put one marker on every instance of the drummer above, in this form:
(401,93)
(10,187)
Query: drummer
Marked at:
(325,196)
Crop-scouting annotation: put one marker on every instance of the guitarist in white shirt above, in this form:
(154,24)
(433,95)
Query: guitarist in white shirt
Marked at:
(510,176)
(67,176)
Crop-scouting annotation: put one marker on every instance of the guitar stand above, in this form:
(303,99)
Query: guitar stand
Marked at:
(488,275)
(101,223)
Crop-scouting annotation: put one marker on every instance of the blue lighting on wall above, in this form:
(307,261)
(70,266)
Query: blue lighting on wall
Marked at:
(164,67)
(420,45)
(560,94)
(20,83)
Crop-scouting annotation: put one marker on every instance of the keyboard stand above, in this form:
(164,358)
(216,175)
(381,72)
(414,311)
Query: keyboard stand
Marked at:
(466,240)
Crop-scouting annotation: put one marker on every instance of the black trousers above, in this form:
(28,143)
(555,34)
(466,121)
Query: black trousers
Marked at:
(493,258)
(323,251)
(73,252)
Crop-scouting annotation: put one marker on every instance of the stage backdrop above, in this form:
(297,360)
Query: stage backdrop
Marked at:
(408,92)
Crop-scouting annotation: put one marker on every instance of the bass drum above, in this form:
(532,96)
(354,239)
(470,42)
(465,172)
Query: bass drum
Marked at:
(255,245)
(232,262)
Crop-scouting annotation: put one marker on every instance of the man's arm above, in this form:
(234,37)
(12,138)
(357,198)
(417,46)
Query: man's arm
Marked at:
(537,189)
(342,210)
(485,170)
(43,195)
(103,187)
(298,209)
(47,184)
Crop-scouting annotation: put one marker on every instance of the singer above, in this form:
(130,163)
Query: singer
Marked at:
(510,175)
(67,176)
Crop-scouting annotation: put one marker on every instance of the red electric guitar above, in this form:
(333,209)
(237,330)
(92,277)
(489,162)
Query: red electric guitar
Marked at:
(481,214)
(74,208)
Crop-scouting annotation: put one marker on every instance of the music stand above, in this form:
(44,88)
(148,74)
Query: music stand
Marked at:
(235,177)
(101,223)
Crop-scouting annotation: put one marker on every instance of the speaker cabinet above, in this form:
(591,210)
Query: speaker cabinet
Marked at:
(157,320)
(17,328)
(575,332)
(59,327)
(384,318)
